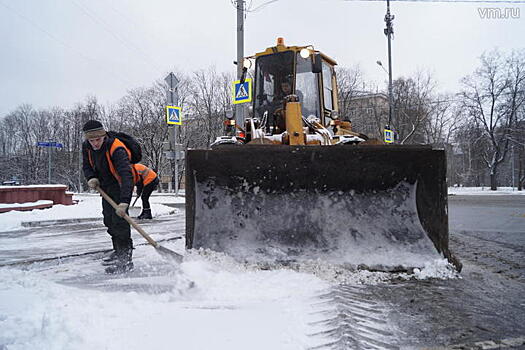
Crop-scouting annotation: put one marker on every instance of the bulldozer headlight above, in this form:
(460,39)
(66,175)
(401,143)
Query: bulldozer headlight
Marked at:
(305,53)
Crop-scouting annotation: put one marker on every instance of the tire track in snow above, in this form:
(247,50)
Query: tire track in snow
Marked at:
(354,319)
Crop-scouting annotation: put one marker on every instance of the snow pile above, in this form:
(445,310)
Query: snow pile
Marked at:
(331,273)
(89,206)
(32,186)
(26,204)
(338,274)
(373,228)
(440,269)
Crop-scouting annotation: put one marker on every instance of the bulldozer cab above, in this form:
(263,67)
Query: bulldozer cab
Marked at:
(308,73)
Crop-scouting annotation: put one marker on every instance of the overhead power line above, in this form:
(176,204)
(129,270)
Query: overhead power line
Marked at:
(90,13)
(249,7)
(261,6)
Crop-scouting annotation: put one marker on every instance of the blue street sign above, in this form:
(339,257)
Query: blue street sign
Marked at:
(173,115)
(242,92)
(50,144)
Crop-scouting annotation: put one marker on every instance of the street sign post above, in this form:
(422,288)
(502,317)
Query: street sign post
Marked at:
(173,83)
(173,117)
(49,145)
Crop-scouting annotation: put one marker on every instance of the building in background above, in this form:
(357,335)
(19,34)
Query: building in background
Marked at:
(368,113)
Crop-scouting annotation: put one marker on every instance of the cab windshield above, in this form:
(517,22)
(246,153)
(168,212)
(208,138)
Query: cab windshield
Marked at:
(271,73)
(282,74)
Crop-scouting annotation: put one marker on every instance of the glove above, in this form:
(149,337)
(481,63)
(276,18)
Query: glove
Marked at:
(121,209)
(93,183)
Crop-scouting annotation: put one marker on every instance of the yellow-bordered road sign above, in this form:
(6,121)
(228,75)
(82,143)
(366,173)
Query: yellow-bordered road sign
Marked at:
(389,136)
(173,115)
(242,93)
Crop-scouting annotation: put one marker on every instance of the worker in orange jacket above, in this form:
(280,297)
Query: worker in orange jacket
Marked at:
(148,181)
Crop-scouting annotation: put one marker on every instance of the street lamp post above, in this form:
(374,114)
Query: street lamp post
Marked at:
(389,31)
(389,133)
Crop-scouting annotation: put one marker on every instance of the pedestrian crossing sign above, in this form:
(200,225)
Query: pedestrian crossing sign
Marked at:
(242,92)
(173,115)
(389,136)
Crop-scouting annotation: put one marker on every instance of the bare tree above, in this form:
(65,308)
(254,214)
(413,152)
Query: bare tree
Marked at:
(518,142)
(443,120)
(412,98)
(209,102)
(350,84)
(492,96)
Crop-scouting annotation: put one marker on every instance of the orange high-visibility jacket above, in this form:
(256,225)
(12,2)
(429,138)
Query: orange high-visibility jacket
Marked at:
(114,145)
(146,174)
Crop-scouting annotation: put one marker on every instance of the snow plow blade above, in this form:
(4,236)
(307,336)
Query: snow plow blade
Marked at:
(384,207)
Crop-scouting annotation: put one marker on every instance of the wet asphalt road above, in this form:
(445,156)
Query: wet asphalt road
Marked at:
(485,309)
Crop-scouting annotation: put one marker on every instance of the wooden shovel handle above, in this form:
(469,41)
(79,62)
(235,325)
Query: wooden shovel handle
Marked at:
(128,219)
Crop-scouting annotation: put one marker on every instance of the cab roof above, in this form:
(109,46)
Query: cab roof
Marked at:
(281,47)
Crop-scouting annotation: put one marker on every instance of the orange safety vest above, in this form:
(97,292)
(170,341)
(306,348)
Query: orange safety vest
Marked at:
(147,174)
(116,144)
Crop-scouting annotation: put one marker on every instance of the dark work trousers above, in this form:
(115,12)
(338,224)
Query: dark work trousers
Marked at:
(148,189)
(118,228)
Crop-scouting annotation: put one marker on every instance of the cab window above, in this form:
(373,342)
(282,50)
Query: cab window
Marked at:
(327,87)
(307,87)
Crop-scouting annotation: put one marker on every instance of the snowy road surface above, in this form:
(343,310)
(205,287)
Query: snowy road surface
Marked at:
(212,302)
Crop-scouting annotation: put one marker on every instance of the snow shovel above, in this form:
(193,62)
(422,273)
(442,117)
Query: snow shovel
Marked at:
(160,249)
(136,199)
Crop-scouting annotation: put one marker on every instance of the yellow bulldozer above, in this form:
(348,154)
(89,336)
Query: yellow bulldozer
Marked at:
(296,183)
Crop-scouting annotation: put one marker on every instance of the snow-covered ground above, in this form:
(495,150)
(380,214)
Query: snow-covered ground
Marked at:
(26,204)
(89,206)
(207,302)
(227,307)
(484,191)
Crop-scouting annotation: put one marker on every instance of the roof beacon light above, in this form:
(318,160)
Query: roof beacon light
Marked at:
(280,41)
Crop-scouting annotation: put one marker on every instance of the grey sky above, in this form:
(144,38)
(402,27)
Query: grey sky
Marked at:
(57,52)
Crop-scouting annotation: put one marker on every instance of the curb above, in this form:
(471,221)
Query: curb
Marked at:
(43,223)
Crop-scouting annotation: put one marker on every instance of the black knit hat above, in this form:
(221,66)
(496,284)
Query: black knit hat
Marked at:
(93,129)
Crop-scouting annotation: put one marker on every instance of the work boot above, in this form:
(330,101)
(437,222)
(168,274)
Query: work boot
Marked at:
(123,262)
(146,214)
(120,267)
(109,259)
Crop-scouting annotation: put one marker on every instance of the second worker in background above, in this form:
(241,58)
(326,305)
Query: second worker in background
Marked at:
(147,183)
